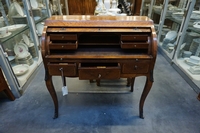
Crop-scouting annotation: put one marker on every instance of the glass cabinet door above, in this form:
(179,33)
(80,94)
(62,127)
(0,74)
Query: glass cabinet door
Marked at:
(187,56)
(168,13)
(20,32)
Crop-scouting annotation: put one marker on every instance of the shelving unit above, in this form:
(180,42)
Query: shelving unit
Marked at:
(180,25)
(34,14)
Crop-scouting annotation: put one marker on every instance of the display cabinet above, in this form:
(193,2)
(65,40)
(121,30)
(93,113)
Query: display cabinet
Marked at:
(179,37)
(187,56)
(20,36)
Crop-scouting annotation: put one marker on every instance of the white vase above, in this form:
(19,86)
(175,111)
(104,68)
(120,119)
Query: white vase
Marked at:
(100,8)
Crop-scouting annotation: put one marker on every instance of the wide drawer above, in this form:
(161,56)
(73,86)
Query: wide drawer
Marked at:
(68,69)
(60,37)
(131,68)
(99,70)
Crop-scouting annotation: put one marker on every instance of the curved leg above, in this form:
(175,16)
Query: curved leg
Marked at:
(98,82)
(52,92)
(145,92)
(132,84)
(128,82)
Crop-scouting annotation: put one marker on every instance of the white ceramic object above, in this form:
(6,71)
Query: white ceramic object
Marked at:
(21,50)
(31,45)
(15,9)
(20,69)
(39,28)
(192,61)
(171,35)
(178,14)
(196,24)
(187,54)
(187,61)
(14,27)
(34,4)
(37,18)
(3,31)
(194,69)
(8,34)
(26,39)
(107,4)
(19,9)
(195,59)
(114,8)
(2,23)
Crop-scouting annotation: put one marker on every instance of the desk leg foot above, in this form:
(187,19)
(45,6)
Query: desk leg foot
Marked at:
(145,92)
(141,115)
(52,92)
(55,115)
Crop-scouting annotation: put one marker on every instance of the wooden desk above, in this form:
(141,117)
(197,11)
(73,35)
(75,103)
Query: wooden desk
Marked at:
(99,47)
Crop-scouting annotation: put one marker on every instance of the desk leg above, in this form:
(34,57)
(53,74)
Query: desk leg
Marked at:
(52,92)
(147,88)
(132,84)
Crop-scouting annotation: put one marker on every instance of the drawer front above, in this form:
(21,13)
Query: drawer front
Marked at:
(63,46)
(132,45)
(131,68)
(68,69)
(99,72)
(71,37)
(136,38)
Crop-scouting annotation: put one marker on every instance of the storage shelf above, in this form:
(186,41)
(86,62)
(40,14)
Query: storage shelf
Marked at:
(184,67)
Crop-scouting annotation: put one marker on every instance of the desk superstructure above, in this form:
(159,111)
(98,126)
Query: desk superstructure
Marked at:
(99,47)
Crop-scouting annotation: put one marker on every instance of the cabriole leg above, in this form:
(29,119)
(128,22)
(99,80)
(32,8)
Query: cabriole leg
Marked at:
(147,88)
(52,92)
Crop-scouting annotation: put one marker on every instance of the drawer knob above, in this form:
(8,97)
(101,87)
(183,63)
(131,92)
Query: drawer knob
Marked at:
(99,76)
(62,46)
(135,46)
(63,37)
(135,67)
(61,58)
(136,60)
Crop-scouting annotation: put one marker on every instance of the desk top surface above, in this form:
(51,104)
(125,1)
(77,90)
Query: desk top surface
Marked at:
(98,21)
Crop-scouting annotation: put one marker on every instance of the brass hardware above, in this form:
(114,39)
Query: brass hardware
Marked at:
(135,67)
(101,66)
(99,76)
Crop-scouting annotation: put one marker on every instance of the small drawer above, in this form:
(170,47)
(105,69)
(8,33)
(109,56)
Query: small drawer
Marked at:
(136,38)
(131,68)
(134,45)
(99,71)
(64,46)
(60,37)
(69,69)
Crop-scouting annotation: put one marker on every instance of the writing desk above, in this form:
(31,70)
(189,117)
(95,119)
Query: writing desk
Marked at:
(99,47)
